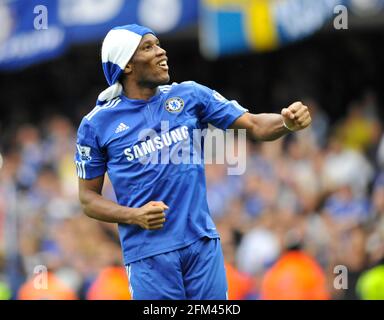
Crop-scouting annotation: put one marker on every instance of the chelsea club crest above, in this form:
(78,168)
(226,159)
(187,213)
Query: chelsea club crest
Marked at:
(174,104)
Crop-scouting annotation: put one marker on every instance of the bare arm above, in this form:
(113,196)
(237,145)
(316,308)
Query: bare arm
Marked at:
(150,216)
(270,126)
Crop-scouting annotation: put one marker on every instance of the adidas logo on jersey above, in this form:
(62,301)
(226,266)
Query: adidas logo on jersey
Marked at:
(121,127)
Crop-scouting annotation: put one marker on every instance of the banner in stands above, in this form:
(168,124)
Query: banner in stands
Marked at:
(237,26)
(35,30)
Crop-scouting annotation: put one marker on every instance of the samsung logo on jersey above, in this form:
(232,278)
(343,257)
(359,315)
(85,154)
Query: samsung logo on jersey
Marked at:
(157,143)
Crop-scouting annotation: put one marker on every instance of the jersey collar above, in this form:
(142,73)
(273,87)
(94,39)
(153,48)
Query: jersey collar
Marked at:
(140,101)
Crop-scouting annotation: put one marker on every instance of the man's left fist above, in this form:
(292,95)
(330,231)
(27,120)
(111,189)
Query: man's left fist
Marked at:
(296,116)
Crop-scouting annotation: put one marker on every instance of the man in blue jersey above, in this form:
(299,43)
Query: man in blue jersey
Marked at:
(170,245)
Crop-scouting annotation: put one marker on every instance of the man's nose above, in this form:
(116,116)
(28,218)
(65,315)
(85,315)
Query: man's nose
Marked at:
(160,51)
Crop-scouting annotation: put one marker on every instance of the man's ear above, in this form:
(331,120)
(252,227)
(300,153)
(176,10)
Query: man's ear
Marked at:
(128,69)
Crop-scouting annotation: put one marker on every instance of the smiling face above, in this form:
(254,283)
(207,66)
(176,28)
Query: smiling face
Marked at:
(148,66)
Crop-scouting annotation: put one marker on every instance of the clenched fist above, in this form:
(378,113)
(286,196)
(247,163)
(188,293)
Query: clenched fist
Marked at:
(150,216)
(296,116)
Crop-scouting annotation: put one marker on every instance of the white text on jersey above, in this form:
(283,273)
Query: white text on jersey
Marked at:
(157,143)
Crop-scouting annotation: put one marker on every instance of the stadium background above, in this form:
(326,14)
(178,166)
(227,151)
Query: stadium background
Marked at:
(307,203)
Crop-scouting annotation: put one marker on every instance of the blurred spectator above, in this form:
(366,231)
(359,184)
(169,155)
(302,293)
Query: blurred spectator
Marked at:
(294,276)
(56,289)
(353,255)
(258,250)
(32,155)
(345,167)
(241,286)
(343,207)
(110,284)
(356,131)
(218,187)
(5,291)
(370,285)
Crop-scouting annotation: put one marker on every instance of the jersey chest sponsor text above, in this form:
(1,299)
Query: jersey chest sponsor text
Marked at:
(156,143)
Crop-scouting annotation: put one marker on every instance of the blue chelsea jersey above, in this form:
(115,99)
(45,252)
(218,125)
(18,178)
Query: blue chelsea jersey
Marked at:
(152,151)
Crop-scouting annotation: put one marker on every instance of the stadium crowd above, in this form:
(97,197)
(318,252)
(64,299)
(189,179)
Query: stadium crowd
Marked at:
(306,204)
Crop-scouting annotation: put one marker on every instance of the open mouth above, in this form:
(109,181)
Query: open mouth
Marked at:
(163,64)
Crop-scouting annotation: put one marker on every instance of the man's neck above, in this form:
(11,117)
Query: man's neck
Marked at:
(138,92)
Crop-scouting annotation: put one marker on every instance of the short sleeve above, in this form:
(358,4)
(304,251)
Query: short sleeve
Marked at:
(89,157)
(215,109)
